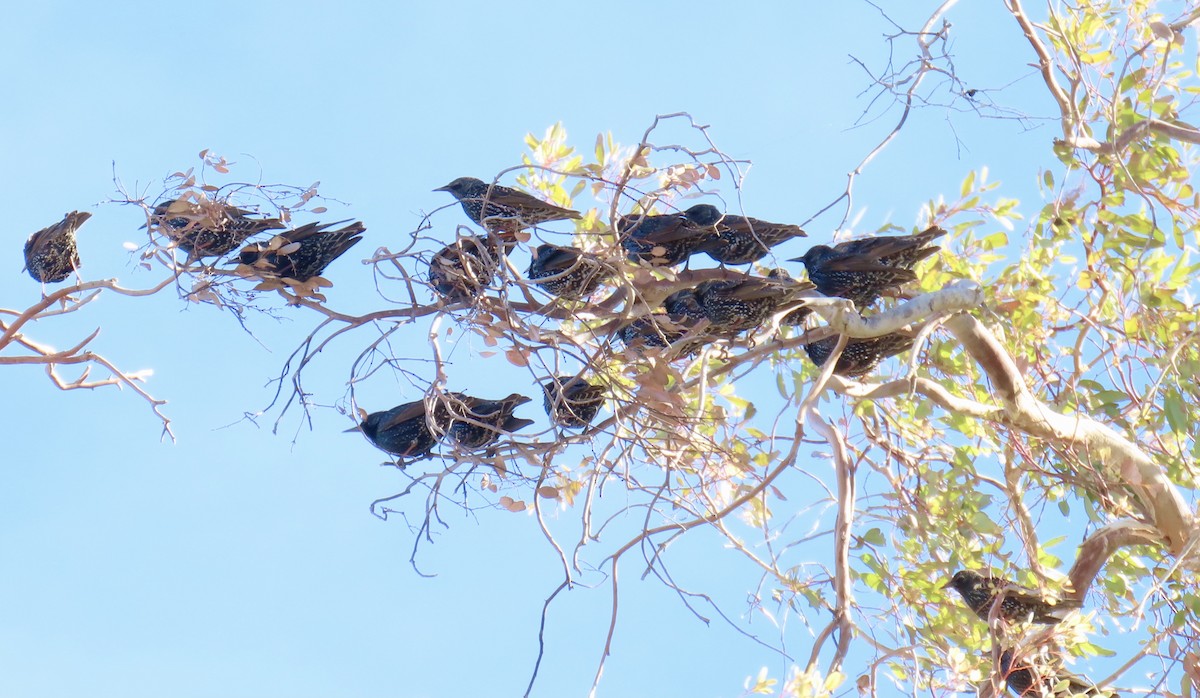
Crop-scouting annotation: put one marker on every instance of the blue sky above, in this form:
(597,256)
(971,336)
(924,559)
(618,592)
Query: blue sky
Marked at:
(235,562)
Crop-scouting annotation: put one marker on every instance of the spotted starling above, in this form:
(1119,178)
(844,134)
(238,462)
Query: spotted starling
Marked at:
(502,210)
(403,430)
(860,356)
(302,253)
(567,272)
(662,240)
(571,401)
(208,228)
(50,253)
(740,240)
(1019,604)
(461,270)
(735,305)
(1024,679)
(656,330)
(862,270)
(493,417)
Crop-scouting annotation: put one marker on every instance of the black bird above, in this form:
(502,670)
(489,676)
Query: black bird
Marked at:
(656,331)
(740,240)
(662,240)
(302,253)
(568,272)
(863,269)
(860,356)
(50,253)
(208,228)
(502,210)
(1027,682)
(571,401)
(1019,604)
(493,417)
(462,269)
(735,305)
(403,430)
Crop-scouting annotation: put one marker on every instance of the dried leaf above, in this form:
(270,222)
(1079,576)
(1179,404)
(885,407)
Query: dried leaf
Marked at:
(548,492)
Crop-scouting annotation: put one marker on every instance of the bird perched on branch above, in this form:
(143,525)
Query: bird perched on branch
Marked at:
(404,430)
(302,253)
(864,269)
(1040,682)
(654,331)
(739,240)
(662,239)
(476,422)
(1019,604)
(860,356)
(572,402)
(205,228)
(462,269)
(502,210)
(50,253)
(567,272)
(735,305)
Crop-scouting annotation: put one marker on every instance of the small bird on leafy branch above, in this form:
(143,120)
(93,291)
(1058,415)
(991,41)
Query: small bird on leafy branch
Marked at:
(477,422)
(736,305)
(502,210)
(1028,681)
(662,239)
(302,253)
(739,240)
(567,272)
(204,228)
(864,269)
(403,430)
(571,401)
(462,269)
(50,253)
(860,356)
(1018,605)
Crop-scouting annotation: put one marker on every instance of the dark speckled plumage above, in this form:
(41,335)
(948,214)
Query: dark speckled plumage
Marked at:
(403,430)
(1019,604)
(1030,681)
(493,417)
(302,253)
(739,239)
(50,253)
(863,269)
(461,270)
(571,401)
(735,305)
(662,240)
(208,228)
(860,356)
(567,272)
(503,210)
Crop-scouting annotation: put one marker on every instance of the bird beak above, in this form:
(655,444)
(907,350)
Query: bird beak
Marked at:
(354,428)
(445,188)
(796,259)
(947,584)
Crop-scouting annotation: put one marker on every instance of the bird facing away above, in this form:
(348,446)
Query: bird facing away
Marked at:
(1028,682)
(736,305)
(1019,605)
(50,253)
(567,272)
(502,210)
(662,240)
(208,228)
(861,270)
(476,422)
(302,253)
(859,356)
(572,402)
(739,240)
(403,430)
(462,269)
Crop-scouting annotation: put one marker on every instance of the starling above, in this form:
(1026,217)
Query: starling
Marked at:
(735,305)
(502,210)
(208,228)
(461,270)
(739,240)
(567,271)
(571,401)
(302,253)
(1019,604)
(1027,682)
(488,418)
(662,240)
(862,270)
(859,356)
(656,330)
(50,253)
(403,430)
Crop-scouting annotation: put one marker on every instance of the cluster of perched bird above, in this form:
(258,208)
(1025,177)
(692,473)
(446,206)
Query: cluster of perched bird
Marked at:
(990,596)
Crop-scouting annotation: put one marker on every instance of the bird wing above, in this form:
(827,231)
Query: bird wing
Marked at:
(504,196)
(412,410)
(866,264)
(762,229)
(559,258)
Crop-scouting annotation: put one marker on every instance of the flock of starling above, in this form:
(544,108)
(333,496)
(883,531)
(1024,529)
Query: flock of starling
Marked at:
(986,596)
